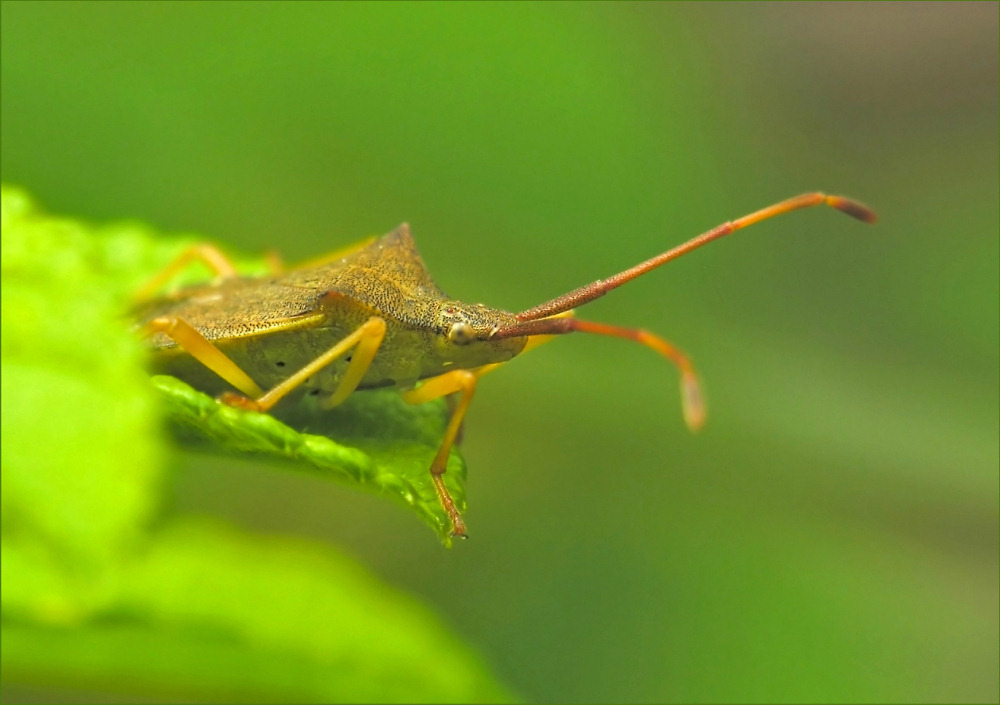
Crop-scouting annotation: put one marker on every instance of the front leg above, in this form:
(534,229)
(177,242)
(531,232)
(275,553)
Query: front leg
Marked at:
(462,382)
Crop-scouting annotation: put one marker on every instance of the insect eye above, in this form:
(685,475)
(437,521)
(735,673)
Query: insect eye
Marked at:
(460,334)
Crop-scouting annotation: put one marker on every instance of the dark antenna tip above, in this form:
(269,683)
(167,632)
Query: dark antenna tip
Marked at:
(854,209)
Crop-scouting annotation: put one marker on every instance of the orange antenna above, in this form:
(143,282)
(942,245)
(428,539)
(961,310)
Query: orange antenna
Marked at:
(586,294)
(544,319)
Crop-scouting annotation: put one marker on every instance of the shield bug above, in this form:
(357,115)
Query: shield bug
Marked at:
(371,316)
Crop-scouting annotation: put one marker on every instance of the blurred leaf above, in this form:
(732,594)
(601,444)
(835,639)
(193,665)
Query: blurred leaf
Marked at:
(81,454)
(393,443)
(208,613)
(92,598)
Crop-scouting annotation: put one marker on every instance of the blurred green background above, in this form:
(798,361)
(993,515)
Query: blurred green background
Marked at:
(832,534)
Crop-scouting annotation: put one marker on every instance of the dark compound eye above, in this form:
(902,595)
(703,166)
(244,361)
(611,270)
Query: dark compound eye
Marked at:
(461,334)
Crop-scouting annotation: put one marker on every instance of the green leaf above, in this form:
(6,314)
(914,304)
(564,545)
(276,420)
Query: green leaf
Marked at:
(69,285)
(100,591)
(81,452)
(374,440)
(230,617)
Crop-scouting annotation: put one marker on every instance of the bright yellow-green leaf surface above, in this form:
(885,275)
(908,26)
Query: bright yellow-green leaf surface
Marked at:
(101,591)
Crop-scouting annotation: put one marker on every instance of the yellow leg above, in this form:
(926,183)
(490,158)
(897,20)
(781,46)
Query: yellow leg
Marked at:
(335,255)
(209,255)
(204,351)
(367,338)
(222,268)
(464,383)
(277,266)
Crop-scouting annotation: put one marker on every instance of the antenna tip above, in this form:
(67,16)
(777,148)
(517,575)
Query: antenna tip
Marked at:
(692,401)
(854,209)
